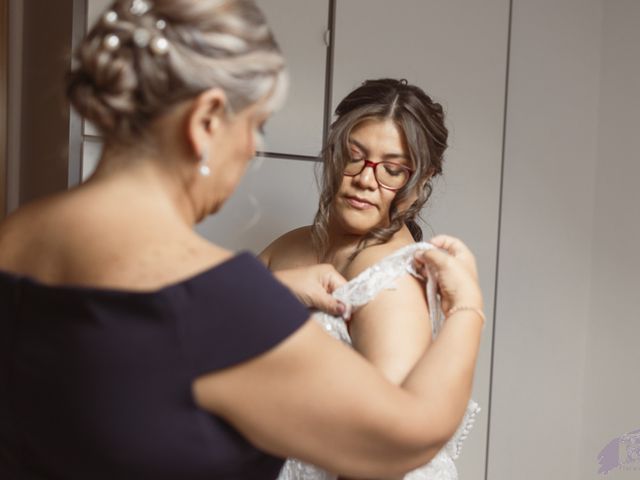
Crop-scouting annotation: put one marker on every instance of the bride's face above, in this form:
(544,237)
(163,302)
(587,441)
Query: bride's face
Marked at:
(361,203)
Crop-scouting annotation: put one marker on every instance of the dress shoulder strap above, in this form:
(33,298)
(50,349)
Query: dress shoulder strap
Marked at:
(383,275)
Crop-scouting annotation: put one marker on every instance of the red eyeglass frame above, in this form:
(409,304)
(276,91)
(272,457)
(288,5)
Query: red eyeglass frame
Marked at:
(374,165)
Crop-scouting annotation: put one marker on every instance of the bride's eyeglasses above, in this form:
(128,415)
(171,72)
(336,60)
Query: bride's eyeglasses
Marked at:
(389,175)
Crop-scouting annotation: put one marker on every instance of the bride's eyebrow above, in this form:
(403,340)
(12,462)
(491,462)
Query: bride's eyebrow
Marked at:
(359,145)
(386,156)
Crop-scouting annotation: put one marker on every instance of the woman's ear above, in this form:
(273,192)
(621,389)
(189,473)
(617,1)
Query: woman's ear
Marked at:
(204,118)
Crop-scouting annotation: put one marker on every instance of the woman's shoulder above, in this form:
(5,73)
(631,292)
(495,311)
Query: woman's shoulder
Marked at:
(17,231)
(57,242)
(289,250)
(375,253)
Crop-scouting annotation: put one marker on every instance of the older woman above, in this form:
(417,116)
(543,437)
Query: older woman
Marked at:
(132,347)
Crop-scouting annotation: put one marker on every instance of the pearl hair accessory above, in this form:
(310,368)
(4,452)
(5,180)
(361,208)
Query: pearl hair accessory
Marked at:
(140,7)
(110,17)
(142,37)
(111,42)
(159,46)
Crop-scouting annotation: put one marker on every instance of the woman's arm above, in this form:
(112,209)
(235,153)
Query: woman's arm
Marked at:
(392,331)
(288,258)
(313,398)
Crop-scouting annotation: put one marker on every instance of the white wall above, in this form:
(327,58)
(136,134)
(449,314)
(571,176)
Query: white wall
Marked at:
(612,386)
(275,196)
(543,286)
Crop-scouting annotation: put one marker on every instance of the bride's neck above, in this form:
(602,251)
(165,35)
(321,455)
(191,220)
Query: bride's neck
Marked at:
(341,246)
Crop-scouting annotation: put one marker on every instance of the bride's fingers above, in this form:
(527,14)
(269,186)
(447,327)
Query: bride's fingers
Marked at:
(454,246)
(456,283)
(457,248)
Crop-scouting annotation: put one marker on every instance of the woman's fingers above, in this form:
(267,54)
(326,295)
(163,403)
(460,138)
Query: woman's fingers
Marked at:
(451,244)
(454,271)
(457,248)
(325,302)
(331,279)
(313,286)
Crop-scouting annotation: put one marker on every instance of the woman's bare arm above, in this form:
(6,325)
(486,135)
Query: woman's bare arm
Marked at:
(315,399)
(392,331)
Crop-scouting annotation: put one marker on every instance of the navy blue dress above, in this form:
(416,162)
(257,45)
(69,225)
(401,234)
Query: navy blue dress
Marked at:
(96,383)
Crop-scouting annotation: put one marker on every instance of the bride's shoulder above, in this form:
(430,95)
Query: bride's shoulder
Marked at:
(290,248)
(376,253)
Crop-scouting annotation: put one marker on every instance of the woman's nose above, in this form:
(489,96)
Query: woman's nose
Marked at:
(367,178)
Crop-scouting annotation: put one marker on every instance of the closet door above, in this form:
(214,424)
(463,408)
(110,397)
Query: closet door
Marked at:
(456,51)
(279,193)
(94,10)
(4,24)
(91,142)
(262,208)
(300,28)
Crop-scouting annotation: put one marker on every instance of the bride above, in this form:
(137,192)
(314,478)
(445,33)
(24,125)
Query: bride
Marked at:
(383,149)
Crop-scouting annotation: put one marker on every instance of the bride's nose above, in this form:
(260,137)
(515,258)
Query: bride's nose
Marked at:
(366,179)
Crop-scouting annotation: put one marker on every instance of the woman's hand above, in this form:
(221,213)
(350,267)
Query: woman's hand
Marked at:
(313,286)
(455,271)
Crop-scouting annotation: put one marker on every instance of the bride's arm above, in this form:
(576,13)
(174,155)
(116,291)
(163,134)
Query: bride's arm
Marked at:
(392,331)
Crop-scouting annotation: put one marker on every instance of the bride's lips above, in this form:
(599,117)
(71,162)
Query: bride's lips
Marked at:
(358,203)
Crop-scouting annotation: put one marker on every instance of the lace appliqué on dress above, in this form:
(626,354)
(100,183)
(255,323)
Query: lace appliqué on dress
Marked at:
(357,292)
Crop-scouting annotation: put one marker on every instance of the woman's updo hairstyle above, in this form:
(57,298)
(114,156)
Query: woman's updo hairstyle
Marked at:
(421,121)
(143,56)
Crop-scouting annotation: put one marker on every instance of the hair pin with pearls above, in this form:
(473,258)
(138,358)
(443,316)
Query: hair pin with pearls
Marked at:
(140,7)
(142,37)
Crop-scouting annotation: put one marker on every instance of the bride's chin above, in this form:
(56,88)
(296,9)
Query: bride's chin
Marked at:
(352,225)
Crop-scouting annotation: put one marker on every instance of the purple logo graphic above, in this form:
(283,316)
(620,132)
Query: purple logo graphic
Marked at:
(622,452)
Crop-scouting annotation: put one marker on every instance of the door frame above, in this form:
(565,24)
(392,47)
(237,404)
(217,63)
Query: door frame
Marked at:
(4,54)
(13,32)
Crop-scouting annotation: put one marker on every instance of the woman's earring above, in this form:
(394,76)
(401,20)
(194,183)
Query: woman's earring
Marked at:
(203,168)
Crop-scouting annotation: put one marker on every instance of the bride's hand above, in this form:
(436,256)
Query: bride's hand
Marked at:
(313,286)
(459,250)
(455,271)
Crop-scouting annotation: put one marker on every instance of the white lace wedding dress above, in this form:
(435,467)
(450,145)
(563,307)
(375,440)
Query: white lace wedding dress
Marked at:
(359,291)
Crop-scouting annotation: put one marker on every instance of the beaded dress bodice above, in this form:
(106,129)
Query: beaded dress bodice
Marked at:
(357,292)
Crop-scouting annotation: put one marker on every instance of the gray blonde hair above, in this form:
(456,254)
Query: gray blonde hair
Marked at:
(421,121)
(210,43)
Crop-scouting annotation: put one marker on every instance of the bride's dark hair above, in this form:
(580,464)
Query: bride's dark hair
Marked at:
(421,121)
